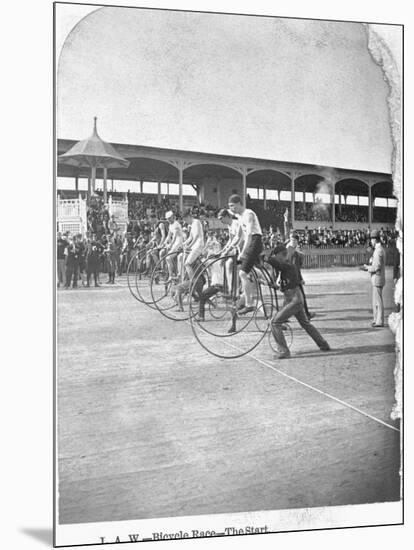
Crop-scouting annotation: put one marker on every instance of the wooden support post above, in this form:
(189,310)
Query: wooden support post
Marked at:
(105,184)
(292,200)
(180,188)
(369,206)
(93,178)
(244,186)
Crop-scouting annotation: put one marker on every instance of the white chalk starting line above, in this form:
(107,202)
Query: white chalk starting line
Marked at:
(317,390)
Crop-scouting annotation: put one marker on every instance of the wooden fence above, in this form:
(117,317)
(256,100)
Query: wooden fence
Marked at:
(331,257)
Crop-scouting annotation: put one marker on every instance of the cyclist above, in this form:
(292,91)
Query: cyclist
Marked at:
(251,250)
(173,243)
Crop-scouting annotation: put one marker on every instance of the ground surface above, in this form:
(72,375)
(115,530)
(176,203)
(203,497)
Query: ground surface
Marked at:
(151,425)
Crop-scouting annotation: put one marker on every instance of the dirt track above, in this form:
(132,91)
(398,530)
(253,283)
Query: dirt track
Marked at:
(150,425)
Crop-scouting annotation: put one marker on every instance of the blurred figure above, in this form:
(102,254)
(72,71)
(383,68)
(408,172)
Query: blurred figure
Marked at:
(233,245)
(112,225)
(286,222)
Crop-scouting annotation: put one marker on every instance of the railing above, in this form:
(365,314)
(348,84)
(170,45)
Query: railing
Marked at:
(119,209)
(331,257)
(71,215)
(68,208)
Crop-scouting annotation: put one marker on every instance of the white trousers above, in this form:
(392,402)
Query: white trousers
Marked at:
(377,305)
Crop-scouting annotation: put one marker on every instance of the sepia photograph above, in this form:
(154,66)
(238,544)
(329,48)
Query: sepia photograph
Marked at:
(228,273)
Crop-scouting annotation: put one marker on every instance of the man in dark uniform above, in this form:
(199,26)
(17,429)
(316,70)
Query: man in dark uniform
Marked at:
(293,303)
(72,263)
(102,259)
(82,251)
(61,244)
(111,255)
(295,257)
(92,257)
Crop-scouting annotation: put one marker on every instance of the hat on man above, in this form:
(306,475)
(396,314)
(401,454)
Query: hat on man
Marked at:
(169,214)
(279,248)
(375,234)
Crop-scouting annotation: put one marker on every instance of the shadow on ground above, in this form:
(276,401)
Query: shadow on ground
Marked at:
(354,350)
(42,535)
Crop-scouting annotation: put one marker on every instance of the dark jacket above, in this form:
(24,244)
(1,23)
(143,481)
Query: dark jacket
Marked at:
(289,274)
(92,256)
(72,258)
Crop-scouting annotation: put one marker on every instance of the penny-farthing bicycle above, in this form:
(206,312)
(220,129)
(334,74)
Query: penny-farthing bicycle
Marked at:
(170,285)
(139,271)
(216,320)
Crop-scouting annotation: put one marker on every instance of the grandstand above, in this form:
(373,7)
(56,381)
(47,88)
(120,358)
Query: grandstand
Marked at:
(313,195)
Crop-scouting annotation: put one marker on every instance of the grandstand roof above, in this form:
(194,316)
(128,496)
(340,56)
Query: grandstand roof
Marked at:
(160,164)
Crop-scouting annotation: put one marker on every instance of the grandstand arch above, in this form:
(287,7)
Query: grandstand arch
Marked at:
(215,181)
(270,169)
(353,202)
(383,188)
(384,203)
(313,197)
(265,187)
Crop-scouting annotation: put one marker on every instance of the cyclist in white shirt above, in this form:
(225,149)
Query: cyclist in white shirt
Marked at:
(251,250)
(173,243)
(194,244)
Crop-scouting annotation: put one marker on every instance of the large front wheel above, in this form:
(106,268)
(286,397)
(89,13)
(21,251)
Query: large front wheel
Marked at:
(138,276)
(169,287)
(217,318)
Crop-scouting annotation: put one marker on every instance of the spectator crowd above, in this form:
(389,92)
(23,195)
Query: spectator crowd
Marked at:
(104,249)
(324,237)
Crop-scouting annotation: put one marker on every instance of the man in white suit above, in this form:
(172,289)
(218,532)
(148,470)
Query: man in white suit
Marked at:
(376,269)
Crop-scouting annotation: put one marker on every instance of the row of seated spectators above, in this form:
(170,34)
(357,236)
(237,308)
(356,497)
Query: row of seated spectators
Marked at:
(348,213)
(141,208)
(328,238)
(319,212)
